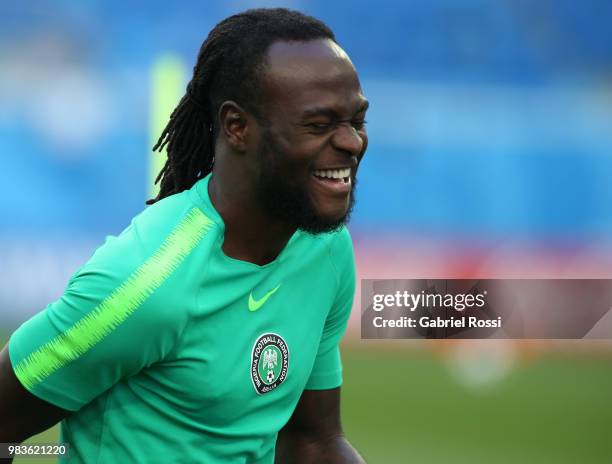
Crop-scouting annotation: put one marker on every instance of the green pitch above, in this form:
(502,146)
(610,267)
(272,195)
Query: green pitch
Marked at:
(401,407)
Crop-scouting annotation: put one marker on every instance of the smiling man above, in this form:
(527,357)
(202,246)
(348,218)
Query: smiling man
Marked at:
(208,330)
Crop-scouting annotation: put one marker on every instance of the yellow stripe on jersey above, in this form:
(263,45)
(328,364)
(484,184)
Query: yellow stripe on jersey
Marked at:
(118,306)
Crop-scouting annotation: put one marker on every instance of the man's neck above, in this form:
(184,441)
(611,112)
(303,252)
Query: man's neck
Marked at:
(250,234)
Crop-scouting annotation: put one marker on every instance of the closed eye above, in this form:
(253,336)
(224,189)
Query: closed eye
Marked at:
(320,126)
(359,123)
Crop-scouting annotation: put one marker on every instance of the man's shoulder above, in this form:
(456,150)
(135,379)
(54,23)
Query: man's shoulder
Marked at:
(165,217)
(170,227)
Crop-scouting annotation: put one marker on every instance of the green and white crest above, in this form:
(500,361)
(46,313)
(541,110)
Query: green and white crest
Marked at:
(269,362)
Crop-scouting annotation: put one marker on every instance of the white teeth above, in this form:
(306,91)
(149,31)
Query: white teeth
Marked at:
(333,173)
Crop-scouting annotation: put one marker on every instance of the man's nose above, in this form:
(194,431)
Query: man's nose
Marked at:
(346,138)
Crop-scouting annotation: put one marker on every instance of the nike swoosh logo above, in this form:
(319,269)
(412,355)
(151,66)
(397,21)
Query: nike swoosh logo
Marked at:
(254,304)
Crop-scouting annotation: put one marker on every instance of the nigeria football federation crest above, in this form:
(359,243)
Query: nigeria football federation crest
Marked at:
(269,362)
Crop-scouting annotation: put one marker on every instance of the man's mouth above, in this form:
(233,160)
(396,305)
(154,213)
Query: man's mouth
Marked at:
(333,175)
(333,181)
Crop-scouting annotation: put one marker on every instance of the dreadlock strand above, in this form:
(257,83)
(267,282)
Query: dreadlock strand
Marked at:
(184,137)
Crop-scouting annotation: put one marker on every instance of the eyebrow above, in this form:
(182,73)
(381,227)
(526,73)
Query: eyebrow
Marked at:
(329,112)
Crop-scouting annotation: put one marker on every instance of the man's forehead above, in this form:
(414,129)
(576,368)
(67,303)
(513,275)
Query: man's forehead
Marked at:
(300,71)
(293,60)
(282,53)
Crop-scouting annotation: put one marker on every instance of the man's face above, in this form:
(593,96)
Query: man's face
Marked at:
(314,136)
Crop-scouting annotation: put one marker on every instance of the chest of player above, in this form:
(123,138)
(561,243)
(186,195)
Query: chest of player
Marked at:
(251,343)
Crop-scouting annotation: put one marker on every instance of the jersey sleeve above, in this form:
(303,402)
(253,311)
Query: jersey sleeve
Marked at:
(112,321)
(327,370)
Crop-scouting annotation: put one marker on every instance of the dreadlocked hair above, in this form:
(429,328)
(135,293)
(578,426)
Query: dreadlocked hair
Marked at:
(230,64)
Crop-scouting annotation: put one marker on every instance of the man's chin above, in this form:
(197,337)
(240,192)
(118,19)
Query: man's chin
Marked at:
(321,227)
(320,224)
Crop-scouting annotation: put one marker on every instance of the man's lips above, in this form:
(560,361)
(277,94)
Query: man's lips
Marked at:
(339,166)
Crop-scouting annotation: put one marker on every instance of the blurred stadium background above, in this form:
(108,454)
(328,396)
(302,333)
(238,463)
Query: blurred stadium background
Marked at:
(490,141)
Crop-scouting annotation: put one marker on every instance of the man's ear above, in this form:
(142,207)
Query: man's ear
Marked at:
(234,124)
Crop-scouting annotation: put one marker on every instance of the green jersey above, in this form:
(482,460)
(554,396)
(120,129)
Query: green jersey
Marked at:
(167,350)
